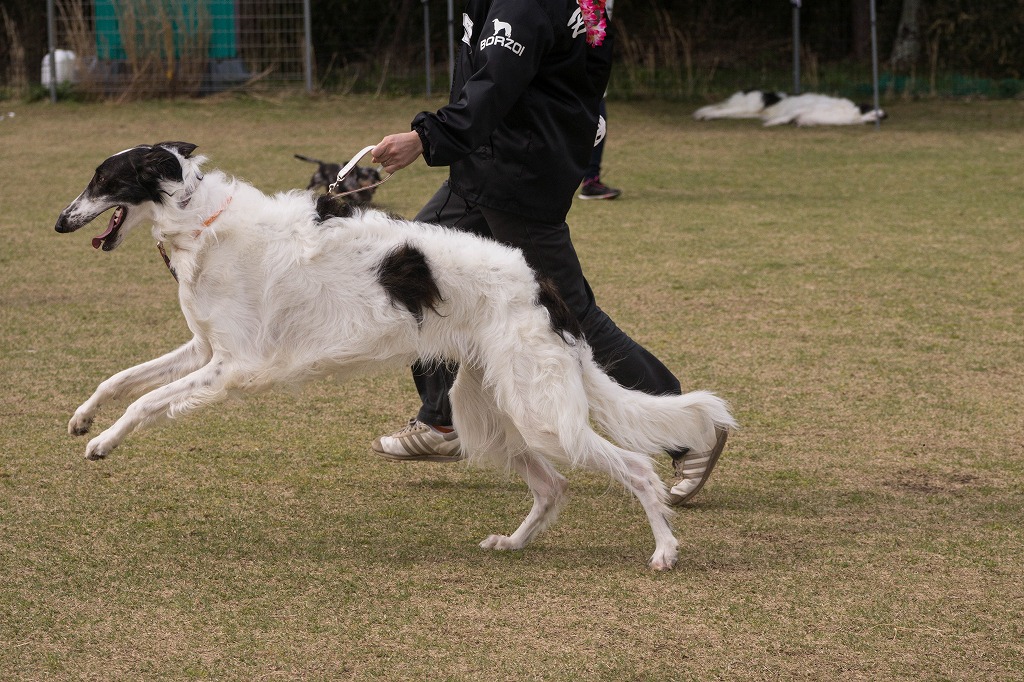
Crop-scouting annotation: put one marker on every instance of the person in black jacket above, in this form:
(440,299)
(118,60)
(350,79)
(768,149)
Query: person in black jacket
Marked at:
(592,187)
(517,135)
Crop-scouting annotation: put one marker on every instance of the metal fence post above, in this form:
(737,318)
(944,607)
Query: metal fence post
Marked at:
(307,66)
(874,61)
(51,39)
(796,46)
(426,40)
(451,41)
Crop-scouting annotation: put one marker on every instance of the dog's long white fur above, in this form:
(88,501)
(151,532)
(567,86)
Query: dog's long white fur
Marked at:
(275,297)
(747,104)
(817,110)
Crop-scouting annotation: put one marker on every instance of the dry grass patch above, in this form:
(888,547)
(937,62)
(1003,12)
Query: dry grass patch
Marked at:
(855,294)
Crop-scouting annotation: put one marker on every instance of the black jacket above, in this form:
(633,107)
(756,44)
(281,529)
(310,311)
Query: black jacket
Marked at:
(520,124)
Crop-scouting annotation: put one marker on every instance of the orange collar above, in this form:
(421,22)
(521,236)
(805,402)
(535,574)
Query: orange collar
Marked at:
(195,233)
(209,221)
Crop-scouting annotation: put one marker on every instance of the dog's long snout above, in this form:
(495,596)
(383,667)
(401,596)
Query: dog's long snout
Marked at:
(64,224)
(71,218)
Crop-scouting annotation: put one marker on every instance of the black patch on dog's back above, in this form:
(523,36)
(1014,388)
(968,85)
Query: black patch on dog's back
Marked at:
(563,322)
(406,277)
(770,98)
(329,206)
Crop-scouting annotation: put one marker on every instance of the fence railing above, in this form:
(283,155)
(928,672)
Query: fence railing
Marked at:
(158,48)
(147,48)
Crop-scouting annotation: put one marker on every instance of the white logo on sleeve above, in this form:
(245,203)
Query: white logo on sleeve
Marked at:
(467,24)
(576,23)
(505,41)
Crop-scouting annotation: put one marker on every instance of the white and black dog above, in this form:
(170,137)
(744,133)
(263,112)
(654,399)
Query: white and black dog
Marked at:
(283,289)
(777,108)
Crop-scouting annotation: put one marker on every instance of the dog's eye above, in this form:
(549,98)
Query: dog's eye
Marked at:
(100,178)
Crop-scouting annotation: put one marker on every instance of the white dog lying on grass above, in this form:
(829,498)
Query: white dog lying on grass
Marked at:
(745,104)
(777,108)
(819,110)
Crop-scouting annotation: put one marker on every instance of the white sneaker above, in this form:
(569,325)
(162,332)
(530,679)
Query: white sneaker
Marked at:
(419,442)
(694,469)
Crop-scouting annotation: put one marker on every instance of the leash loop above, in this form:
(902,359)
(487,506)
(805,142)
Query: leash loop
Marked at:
(167,259)
(347,168)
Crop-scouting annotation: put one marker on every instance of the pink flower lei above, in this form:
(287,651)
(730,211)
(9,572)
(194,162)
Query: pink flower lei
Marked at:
(594,20)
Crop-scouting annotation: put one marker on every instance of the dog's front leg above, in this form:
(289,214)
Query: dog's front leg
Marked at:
(132,382)
(205,386)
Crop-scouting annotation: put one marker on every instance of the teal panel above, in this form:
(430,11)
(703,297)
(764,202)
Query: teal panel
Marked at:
(223,40)
(223,35)
(108,37)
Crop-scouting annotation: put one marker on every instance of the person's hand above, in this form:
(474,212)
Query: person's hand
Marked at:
(395,152)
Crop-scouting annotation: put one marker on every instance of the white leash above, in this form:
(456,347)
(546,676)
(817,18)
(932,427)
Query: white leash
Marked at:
(347,168)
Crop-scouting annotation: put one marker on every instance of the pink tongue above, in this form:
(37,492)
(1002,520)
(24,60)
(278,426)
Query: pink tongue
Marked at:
(97,242)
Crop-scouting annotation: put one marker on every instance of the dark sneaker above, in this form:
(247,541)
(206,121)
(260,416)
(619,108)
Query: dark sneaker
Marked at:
(595,189)
(693,470)
(419,442)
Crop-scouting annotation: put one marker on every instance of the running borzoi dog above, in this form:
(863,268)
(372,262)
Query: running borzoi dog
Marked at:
(284,289)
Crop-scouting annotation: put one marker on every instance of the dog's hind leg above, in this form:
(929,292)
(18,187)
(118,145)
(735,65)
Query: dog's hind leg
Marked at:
(548,488)
(636,472)
(648,487)
(205,386)
(134,381)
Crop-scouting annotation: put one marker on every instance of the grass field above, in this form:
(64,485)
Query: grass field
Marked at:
(858,295)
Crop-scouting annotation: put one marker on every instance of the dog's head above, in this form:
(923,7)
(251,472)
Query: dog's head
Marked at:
(131,182)
(869,114)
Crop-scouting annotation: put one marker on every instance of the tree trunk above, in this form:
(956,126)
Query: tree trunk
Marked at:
(907,46)
(24,52)
(860,19)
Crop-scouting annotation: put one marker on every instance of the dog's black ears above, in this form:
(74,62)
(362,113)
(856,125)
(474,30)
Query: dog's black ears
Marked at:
(160,163)
(183,148)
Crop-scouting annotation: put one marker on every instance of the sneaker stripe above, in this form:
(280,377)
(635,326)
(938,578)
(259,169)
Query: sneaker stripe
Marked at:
(695,467)
(415,444)
(696,470)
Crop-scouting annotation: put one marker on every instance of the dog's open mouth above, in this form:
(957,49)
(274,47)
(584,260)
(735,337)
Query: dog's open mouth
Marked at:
(109,237)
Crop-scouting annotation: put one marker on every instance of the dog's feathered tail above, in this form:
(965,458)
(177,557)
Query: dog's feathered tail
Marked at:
(647,423)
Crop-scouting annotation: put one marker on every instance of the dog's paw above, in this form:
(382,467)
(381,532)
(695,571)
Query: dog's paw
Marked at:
(664,560)
(499,542)
(97,448)
(79,425)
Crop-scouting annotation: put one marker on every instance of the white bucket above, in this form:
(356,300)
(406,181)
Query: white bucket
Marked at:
(66,67)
